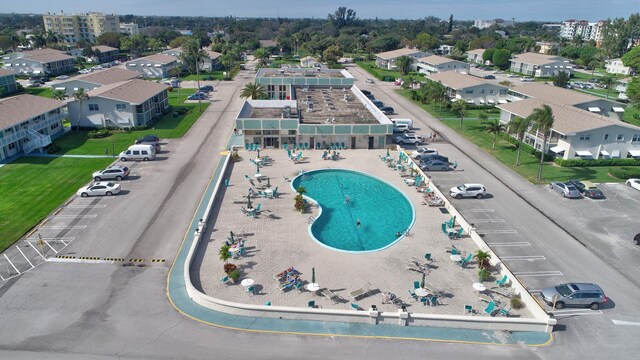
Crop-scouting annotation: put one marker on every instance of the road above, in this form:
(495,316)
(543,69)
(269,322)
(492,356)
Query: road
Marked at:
(542,239)
(100,311)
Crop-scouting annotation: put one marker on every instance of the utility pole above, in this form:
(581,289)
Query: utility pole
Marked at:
(197,59)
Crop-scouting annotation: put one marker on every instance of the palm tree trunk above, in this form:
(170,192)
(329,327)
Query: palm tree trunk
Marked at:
(544,145)
(79,115)
(518,154)
(461,119)
(493,146)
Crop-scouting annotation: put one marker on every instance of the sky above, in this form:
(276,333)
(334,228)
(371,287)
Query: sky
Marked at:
(521,10)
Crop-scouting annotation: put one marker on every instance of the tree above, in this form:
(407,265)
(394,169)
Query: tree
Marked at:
(59,95)
(332,54)
(519,126)
(403,63)
(633,91)
(253,91)
(487,55)
(632,58)
(193,56)
(607,81)
(483,259)
(80,96)
(262,55)
(179,41)
(495,128)
(561,79)
(110,39)
(425,41)
(542,121)
(450,28)
(460,108)
(155,45)
(342,17)
(483,117)
(134,44)
(501,58)
(385,43)
(6,43)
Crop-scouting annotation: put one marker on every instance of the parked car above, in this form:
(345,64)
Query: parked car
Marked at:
(99,189)
(370,96)
(62,77)
(197,96)
(33,83)
(44,80)
(424,151)
(512,75)
(588,189)
(565,189)
(206,88)
(636,239)
(574,294)
(489,77)
(526,78)
(634,183)
(424,158)
(409,139)
(387,110)
(468,190)
(113,172)
(401,128)
(435,165)
(370,80)
(148,138)
(379,104)
(365,92)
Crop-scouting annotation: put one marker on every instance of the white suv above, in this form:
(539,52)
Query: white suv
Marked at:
(409,139)
(468,190)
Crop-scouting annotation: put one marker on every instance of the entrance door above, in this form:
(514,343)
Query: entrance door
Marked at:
(312,142)
(353,142)
(271,142)
(370,146)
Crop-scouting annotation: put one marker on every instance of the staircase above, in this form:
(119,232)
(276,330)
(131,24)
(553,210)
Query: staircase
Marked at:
(37,140)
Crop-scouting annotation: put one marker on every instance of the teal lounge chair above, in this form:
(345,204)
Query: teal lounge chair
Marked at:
(466,260)
(284,146)
(502,281)
(427,257)
(246,146)
(468,310)
(416,284)
(490,308)
(344,147)
(444,228)
(355,306)
(311,304)
(306,146)
(504,312)
(433,300)
(224,279)
(251,290)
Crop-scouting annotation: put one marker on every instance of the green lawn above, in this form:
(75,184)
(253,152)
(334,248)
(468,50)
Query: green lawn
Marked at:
(632,115)
(78,143)
(442,112)
(380,74)
(32,187)
(506,153)
(39,91)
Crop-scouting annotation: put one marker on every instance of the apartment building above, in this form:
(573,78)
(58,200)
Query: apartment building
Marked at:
(437,64)
(387,60)
(85,26)
(7,82)
(154,66)
(586,30)
(540,65)
(48,62)
(28,123)
(94,80)
(129,29)
(615,66)
(470,88)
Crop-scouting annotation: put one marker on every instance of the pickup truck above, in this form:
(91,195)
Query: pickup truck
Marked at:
(409,139)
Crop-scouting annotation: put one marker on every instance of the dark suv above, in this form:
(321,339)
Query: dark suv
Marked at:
(151,140)
(431,157)
(574,294)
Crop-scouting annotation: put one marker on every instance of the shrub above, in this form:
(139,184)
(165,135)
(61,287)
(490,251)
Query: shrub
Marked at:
(596,162)
(625,172)
(483,275)
(516,302)
(98,134)
(52,148)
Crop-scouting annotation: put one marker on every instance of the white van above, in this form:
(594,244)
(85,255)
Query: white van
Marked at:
(407,122)
(142,152)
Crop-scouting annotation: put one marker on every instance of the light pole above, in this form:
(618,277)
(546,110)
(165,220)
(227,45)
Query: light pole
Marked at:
(197,59)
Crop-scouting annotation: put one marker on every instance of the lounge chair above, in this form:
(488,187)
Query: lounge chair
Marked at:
(306,146)
(246,146)
(413,295)
(355,306)
(251,290)
(457,234)
(468,310)
(224,279)
(428,257)
(466,260)
(485,298)
(284,146)
(504,312)
(423,300)
(311,304)
(490,308)
(452,222)
(363,291)
(331,295)
(444,228)
(344,147)
(433,300)
(502,281)
(416,284)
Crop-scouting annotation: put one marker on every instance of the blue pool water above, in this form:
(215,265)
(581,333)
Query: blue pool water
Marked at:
(382,209)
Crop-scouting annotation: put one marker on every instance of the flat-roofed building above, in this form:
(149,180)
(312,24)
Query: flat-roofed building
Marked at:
(153,66)
(540,65)
(129,28)
(95,80)
(313,109)
(437,64)
(470,88)
(43,62)
(123,104)
(28,123)
(84,26)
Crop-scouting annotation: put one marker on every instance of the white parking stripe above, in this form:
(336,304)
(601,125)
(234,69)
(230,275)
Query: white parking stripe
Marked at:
(70,238)
(90,216)
(622,322)
(36,250)
(45,241)
(5,256)
(496,231)
(485,220)
(25,256)
(538,273)
(63,227)
(558,313)
(86,206)
(528,258)
(515,243)
(482,210)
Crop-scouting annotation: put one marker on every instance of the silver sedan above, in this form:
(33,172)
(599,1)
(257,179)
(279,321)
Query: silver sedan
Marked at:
(565,189)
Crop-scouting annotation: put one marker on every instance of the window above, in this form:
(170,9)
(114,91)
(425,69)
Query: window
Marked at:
(585,137)
(121,106)
(93,107)
(468,91)
(55,126)
(606,136)
(635,138)
(620,137)
(11,146)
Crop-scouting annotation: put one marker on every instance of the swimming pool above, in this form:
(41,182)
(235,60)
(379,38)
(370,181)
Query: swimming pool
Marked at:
(346,196)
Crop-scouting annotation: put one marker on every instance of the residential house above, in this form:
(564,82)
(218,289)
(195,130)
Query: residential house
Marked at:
(577,133)
(615,66)
(123,104)
(444,49)
(105,54)
(28,123)
(621,88)
(436,64)
(313,108)
(7,82)
(475,56)
(387,60)
(308,61)
(211,63)
(547,47)
(43,62)
(470,88)
(153,66)
(95,80)
(540,65)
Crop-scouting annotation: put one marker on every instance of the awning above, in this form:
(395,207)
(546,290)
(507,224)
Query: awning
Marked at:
(61,88)
(615,154)
(481,101)
(502,101)
(604,153)
(557,149)
(634,153)
(617,109)
(594,109)
(584,153)
(491,102)
(470,102)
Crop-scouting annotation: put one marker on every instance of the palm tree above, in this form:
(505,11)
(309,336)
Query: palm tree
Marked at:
(482,257)
(60,95)
(253,91)
(608,81)
(460,107)
(483,117)
(519,127)
(403,63)
(80,95)
(542,119)
(262,54)
(495,128)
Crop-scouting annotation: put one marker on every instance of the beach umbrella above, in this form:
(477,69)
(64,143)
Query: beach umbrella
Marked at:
(249,201)
(268,182)
(289,154)
(231,237)
(258,152)
(257,168)
(388,152)
(423,279)
(313,275)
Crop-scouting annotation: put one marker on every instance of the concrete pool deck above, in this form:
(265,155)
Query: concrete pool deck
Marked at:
(278,238)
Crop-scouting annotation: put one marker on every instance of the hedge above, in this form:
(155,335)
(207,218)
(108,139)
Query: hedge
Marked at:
(98,134)
(526,148)
(597,162)
(625,172)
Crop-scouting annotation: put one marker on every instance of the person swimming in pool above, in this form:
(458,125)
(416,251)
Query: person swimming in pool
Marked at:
(346,199)
(358,223)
